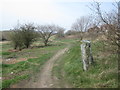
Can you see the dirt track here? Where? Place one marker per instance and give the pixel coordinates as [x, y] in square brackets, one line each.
[45, 79]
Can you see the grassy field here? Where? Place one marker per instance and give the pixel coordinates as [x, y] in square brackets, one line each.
[33, 58]
[102, 74]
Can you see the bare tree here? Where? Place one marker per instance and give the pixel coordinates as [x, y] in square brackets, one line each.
[46, 31]
[111, 20]
[83, 24]
[60, 32]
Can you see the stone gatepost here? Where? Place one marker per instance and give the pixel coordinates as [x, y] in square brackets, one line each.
[86, 52]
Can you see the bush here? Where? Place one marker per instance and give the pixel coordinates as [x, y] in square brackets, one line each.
[16, 38]
[28, 34]
[23, 36]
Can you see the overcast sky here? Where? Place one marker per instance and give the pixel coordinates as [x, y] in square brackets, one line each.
[60, 12]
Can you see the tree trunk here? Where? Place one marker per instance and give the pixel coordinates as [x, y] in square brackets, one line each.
[15, 47]
[45, 43]
[27, 45]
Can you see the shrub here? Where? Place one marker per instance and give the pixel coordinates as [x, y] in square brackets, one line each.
[23, 36]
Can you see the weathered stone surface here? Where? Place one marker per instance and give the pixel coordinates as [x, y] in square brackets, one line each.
[86, 52]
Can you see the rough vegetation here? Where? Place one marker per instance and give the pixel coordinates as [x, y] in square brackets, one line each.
[102, 74]
[14, 71]
[30, 47]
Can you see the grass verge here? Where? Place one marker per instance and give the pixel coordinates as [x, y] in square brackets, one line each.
[103, 74]
[22, 70]
[13, 73]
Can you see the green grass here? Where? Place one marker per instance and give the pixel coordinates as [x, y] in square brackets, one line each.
[103, 74]
[36, 51]
[6, 46]
[7, 83]
[66, 40]
[6, 53]
[30, 67]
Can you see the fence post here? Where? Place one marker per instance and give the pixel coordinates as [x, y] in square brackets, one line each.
[86, 52]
